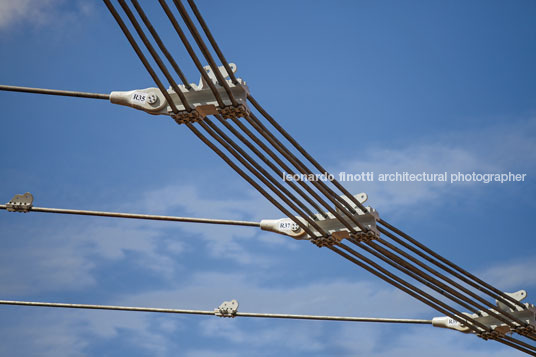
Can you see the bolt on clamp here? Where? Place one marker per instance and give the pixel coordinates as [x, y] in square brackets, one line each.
[20, 203]
[227, 309]
[498, 328]
[198, 96]
[335, 229]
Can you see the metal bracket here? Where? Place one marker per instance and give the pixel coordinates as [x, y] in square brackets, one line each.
[227, 309]
[499, 328]
[199, 97]
[336, 230]
[20, 203]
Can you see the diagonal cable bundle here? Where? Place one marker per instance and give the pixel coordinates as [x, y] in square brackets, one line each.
[261, 151]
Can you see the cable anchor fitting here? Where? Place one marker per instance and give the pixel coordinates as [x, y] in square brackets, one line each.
[498, 328]
[20, 203]
[199, 98]
[227, 309]
[335, 229]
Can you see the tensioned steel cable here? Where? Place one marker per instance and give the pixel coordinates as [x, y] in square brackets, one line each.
[495, 292]
[448, 280]
[279, 162]
[140, 54]
[315, 163]
[232, 148]
[391, 279]
[212, 41]
[191, 51]
[161, 45]
[204, 50]
[248, 179]
[287, 136]
[141, 216]
[233, 78]
[153, 53]
[269, 163]
[213, 313]
[429, 281]
[261, 129]
[305, 210]
[337, 198]
[65, 93]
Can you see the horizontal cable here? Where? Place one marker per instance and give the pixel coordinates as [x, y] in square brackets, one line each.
[208, 312]
[65, 93]
[142, 216]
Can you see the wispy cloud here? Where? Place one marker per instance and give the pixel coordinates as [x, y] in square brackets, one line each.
[41, 12]
[512, 274]
[498, 149]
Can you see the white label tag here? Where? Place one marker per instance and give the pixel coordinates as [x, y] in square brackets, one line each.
[139, 97]
[452, 322]
[288, 226]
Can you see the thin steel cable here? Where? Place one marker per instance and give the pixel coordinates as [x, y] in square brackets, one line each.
[516, 346]
[204, 50]
[209, 312]
[140, 54]
[153, 53]
[315, 163]
[440, 287]
[284, 166]
[270, 164]
[443, 267]
[161, 45]
[389, 279]
[151, 217]
[212, 41]
[400, 265]
[65, 93]
[518, 342]
[261, 129]
[272, 179]
[419, 291]
[448, 280]
[234, 150]
[247, 178]
[191, 52]
[501, 296]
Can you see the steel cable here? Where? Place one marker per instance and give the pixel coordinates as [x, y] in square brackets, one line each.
[140, 54]
[243, 158]
[247, 178]
[153, 53]
[204, 50]
[191, 52]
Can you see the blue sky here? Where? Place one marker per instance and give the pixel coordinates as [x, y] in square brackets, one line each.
[410, 86]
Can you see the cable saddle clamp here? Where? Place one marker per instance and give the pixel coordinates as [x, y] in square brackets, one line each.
[526, 315]
[336, 230]
[227, 309]
[20, 203]
[199, 97]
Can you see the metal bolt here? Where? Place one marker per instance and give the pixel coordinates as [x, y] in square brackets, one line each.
[152, 98]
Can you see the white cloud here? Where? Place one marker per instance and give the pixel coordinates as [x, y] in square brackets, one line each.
[511, 274]
[498, 149]
[41, 12]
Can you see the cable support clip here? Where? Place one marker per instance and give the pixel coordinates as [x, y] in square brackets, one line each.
[227, 309]
[20, 203]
